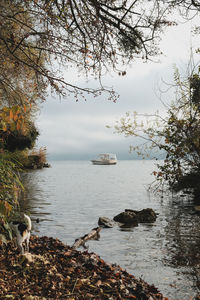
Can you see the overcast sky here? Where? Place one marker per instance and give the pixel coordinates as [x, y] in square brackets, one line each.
[77, 130]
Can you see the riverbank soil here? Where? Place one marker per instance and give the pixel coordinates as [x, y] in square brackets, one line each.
[53, 270]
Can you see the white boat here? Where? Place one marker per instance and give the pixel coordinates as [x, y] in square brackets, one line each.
[105, 159]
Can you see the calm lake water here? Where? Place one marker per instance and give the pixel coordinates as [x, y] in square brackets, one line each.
[69, 197]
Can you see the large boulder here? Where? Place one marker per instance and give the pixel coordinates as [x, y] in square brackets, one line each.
[127, 217]
[146, 215]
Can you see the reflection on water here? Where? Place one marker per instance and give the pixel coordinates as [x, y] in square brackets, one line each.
[183, 241]
[35, 199]
[69, 198]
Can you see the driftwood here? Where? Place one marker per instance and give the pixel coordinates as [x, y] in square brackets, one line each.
[92, 235]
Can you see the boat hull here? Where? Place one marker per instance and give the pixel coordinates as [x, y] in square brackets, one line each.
[98, 162]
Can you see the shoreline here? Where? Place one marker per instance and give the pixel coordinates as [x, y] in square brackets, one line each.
[53, 270]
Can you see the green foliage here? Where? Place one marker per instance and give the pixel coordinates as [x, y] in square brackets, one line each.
[10, 186]
[177, 134]
[9, 182]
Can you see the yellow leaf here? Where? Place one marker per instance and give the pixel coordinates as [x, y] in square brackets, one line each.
[18, 125]
[4, 128]
[15, 117]
[12, 127]
[7, 206]
[11, 114]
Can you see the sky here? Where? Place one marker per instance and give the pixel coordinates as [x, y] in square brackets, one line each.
[77, 130]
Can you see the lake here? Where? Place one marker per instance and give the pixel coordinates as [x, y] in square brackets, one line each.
[69, 197]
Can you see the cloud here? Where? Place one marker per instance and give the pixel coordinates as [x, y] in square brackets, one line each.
[72, 130]
[77, 130]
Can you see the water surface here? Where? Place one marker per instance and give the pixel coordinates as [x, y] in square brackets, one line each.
[69, 198]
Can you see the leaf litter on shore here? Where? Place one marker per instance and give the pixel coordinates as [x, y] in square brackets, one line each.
[53, 270]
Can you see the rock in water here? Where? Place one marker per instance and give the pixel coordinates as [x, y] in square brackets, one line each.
[127, 217]
[105, 222]
[146, 215]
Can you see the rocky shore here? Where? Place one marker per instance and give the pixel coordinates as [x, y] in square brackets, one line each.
[53, 270]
